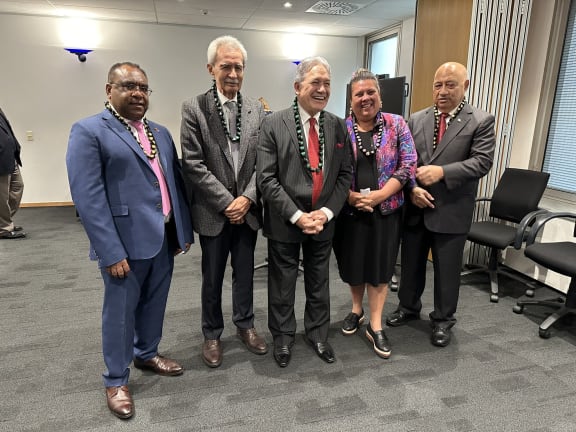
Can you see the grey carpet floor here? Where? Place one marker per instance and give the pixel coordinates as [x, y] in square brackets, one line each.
[497, 375]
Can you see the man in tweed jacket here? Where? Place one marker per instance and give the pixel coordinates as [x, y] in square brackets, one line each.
[219, 134]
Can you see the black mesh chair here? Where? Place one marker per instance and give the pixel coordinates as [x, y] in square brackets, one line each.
[556, 256]
[514, 200]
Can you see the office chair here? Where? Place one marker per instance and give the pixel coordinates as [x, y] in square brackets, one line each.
[515, 200]
[556, 256]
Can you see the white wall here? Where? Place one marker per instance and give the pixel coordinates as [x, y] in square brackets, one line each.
[45, 89]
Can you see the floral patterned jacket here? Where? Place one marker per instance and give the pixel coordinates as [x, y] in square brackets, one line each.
[395, 156]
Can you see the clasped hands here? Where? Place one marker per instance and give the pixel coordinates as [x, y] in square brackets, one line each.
[313, 222]
[237, 209]
[362, 202]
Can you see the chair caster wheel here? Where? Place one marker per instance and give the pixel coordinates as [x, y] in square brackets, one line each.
[529, 293]
[544, 334]
[518, 309]
[494, 298]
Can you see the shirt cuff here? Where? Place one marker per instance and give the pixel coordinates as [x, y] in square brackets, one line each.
[296, 216]
[329, 214]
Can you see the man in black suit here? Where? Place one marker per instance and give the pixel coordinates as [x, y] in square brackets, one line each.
[219, 134]
[304, 173]
[455, 144]
[11, 184]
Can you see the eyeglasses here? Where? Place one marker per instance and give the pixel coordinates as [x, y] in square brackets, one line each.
[132, 87]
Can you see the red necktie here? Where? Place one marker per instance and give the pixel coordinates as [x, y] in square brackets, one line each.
[441, 127]
[314, 158]
[166, 207]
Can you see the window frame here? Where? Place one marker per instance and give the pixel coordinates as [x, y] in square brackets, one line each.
[389, 32]
[542, 127]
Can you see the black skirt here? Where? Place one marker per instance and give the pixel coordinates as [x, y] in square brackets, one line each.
[366, 246]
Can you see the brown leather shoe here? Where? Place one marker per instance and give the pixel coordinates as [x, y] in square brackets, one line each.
[120, 402]
[160, 365]
[212, 352]
[255, 344]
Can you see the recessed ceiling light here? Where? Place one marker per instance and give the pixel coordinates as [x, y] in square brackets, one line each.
[287, 5]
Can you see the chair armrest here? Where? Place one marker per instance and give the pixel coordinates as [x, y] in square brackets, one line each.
[540, 222]
[525, 226]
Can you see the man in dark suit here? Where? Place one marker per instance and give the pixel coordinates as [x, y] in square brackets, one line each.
[127, 187]
[304, 173]
[455, 144]
[219, 134]
[11, 184]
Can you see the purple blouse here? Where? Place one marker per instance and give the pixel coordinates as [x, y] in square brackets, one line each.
[395, 156]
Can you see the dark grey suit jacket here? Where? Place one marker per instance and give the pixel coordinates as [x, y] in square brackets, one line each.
[286, 183]
[465, 153]
[9, 147]
[207, 163]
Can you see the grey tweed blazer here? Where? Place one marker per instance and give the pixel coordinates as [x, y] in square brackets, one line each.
[207, 164]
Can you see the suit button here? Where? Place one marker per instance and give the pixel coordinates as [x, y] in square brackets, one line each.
[159, 205]
[156, 184]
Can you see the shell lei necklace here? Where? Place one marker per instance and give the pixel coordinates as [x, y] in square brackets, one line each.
[153, 148]
[221, 114]
[303, 148]
[377, 139]
[437, 120]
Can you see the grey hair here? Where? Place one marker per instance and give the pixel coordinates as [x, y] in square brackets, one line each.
[306, 66]
[228, 41]
[363, 75]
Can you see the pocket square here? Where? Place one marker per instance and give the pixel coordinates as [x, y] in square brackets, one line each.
[339, 145]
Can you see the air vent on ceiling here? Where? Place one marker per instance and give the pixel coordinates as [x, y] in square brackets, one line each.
[334, 8]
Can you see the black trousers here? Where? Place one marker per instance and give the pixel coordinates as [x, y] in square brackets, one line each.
[239, 242]
[283, 260]
[447, 252]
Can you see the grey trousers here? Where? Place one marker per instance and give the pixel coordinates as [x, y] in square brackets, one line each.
[11, 190]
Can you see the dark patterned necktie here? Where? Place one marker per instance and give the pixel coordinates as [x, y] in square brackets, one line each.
[314, 158]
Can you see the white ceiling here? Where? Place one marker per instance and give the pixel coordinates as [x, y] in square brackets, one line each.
[268, 15]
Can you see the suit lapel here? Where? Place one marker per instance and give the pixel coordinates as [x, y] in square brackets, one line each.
[429, 133]
[290, 124]
[244, 137]
[329, 143]
[216, 125]
[454, 128]
[124, 134]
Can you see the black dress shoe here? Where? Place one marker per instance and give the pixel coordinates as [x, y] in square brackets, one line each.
[12, 235]
[380, 342]
[441, 336]
[18, 228]
[399, 317]
[352, 322]
[282, 355]
[322, 350]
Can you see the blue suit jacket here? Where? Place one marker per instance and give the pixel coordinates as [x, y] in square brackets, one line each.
[116, 192]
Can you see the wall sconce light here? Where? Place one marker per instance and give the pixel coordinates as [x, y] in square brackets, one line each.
[81, 53]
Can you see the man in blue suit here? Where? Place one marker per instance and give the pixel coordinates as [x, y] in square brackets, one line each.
[128, 190]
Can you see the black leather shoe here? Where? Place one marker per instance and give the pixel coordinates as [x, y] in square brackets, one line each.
[399, 317]
[282, 355]
[322, 350]
[352, 322]
[18, 228]
[12, 235]
[379, 341]
[441, 336]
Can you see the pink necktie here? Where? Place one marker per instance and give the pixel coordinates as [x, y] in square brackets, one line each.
[314, 158]
[166, 207]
